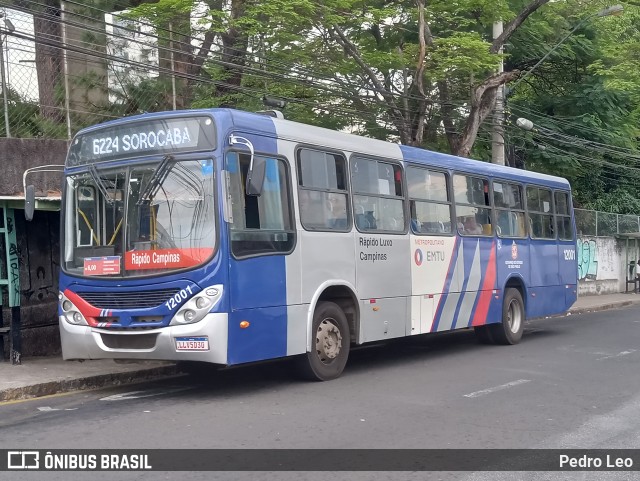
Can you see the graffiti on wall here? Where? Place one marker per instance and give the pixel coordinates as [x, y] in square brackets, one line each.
[587, 259]
[14, 267]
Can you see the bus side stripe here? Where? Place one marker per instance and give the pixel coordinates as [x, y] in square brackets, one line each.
[445, 315]
[488, 285]
[470, 290]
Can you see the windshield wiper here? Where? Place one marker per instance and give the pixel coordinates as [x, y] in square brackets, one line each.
[98, 181]
[156, 180]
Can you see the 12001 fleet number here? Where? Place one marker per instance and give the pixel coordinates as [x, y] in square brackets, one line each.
[177, 299]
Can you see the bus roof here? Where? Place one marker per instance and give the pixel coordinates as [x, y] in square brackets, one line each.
[310, 134]
[305, 133]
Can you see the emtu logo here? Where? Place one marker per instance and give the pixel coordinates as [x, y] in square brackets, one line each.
[23, 460]
[418, 257]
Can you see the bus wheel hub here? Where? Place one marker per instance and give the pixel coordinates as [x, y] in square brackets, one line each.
[328, 340]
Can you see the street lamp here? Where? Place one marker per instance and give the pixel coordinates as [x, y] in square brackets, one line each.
[613, 10]
[9, 28]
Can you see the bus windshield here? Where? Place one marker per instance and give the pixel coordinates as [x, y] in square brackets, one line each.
[139, 220]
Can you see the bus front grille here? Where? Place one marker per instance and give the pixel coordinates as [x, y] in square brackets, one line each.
[138, 341]
[128, 300]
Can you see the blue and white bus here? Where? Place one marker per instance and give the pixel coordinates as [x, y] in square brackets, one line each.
[231, 237]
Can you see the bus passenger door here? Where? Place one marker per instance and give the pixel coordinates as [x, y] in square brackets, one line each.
[261, 236]
[382, 273]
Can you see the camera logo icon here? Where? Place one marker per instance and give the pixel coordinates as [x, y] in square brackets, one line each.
[23, 460]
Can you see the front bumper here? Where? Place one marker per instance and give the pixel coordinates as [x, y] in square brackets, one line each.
[85, 342]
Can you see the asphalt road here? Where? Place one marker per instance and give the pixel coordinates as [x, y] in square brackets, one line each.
[571, 383]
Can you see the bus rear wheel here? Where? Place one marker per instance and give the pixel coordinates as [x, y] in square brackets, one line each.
[510, 330]
[330, 344]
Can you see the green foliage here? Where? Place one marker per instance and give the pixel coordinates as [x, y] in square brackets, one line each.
[584, 102]
[353, 65]
[462, 55]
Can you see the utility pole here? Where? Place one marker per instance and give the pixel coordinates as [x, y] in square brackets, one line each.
[497, 133]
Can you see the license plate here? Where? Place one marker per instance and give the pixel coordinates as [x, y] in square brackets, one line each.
[192, 343]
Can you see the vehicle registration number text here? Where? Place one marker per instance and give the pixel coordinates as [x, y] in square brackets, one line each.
[192, 343]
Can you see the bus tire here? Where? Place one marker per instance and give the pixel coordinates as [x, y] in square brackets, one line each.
[329, 344]
[483, 334]
[510, 330]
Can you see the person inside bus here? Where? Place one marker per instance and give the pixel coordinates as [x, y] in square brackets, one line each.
[337, 214]
[470, 226]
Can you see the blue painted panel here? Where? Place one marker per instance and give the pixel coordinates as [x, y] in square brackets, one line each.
[543, 255]
[513, 260]
[568, 262]
[265, 338]
[568, 267]
[547, 301]
[258, 282]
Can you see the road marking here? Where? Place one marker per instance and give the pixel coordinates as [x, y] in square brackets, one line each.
[49, 408]
[497, 388]
[620, 354]
[142, 394]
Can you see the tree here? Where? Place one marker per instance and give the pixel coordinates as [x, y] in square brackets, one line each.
[584, 102]
[404, 59]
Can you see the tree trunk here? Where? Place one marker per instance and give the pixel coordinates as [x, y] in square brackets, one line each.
[175, 56]
[46, 26]
[234, 54]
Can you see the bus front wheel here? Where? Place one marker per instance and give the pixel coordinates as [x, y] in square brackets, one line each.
[329, 344]
[510, 330]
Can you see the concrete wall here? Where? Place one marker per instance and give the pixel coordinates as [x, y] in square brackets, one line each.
[17, 155]
[603, 264]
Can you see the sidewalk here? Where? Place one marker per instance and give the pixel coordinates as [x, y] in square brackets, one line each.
[44, 376]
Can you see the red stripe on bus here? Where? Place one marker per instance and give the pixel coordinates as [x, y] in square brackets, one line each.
[480, 316]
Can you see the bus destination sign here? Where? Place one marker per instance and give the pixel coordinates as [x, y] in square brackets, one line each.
[159, 136]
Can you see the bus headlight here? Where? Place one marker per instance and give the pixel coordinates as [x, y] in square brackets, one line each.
[202, 302]
[198, 306]
[70, 312]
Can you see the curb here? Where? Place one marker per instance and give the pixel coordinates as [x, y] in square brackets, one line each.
[603, 307]
[86, 383]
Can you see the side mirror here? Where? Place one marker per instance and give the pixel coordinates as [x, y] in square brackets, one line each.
[257, 167]
[29, 202]
[255, 176]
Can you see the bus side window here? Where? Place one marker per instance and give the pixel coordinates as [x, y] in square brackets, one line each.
[261, 224]
[378, 199]
[540, 211]
[473, 208]
[429, 201]
[322, 191]
[563, 216]
[509, 208]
